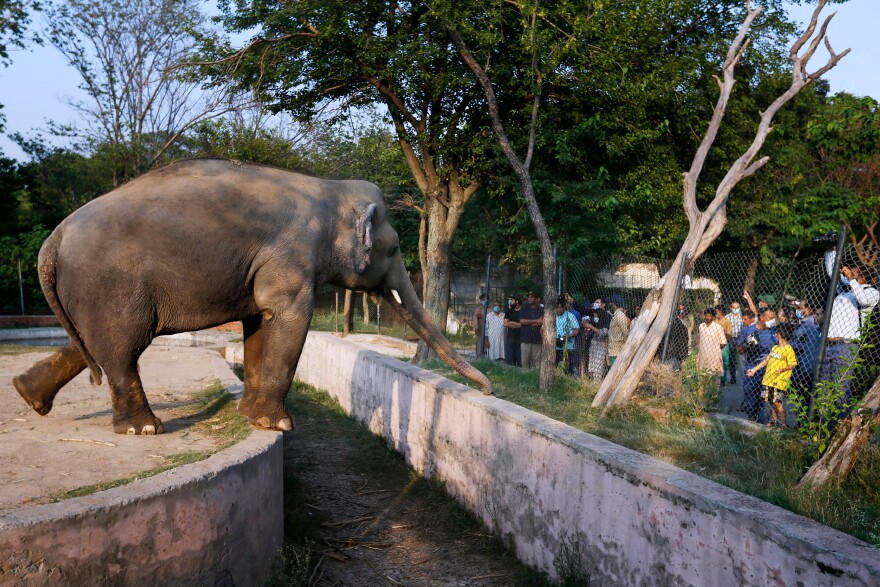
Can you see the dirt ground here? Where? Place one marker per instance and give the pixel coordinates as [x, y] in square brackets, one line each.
[368, 519]
[74, 445]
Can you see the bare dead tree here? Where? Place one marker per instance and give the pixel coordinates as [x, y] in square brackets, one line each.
[706, 225]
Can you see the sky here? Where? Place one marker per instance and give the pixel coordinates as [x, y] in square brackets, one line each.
[33, 89]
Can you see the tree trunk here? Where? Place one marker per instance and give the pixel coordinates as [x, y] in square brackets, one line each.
[347, 314]
[521, 168]
[853, 433]
[366, 308]
[444, 213]
[751, 275]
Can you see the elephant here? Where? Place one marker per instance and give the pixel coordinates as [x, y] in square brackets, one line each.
[203, 242]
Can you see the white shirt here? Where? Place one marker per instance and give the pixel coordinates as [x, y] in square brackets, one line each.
[736, 324]
[850, 310]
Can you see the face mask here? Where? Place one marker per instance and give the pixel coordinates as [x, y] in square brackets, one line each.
[496, 308]
[596, 319]
[770, 323]
[844, 280]
[595, 306]
[799, 314]
[735, 310]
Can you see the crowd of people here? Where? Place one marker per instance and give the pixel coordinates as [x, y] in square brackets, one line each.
[775, 348]
[767, 347]
[588, 337]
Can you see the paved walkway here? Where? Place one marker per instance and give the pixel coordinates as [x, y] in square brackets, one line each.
[74, 445]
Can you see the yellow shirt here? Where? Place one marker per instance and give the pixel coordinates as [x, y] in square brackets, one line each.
[780, 356]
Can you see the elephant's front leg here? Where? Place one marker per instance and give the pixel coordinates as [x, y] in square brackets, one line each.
[253, 361]
[282, 335]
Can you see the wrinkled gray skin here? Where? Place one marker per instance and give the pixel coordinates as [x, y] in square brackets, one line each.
[201, 243]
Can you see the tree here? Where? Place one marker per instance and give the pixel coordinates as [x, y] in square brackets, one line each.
[125, 52]
[314, 55]
[15, 16]
[544, 61]
[706, 225]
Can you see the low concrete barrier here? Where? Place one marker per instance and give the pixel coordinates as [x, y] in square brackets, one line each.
[215, 522]
[558, 493]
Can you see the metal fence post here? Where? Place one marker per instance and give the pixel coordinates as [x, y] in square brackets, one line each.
[674, 306]
[486, 305]
[336, 313]
[20, 287]
[829, 304]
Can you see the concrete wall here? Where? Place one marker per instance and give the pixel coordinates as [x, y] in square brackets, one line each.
[555, 491]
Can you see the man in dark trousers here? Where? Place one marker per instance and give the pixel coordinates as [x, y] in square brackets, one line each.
[531, 318]
[511, 338]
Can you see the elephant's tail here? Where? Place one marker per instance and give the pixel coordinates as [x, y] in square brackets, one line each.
[48, 267]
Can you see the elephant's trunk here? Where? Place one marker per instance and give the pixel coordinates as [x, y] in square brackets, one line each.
[410, 308]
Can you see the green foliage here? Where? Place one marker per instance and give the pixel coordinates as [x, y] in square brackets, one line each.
[15, 16]
[700, 391]
[818, 429]
[24, 249]
[292, 566]
[819, 410]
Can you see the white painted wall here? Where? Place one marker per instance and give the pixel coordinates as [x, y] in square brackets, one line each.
[541, 484]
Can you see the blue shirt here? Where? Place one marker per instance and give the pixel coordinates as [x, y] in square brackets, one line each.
[757, 343]
[565, 325]
[805, 342]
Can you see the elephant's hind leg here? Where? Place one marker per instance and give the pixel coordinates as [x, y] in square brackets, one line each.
[39, 384]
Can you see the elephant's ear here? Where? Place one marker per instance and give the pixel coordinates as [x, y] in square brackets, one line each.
[365, 237]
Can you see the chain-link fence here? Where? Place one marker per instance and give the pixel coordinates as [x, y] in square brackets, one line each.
[776, 332]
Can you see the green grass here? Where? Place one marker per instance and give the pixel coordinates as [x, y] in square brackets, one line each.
[213, 414]
[767, 465]
[326, 322]
[21, 349]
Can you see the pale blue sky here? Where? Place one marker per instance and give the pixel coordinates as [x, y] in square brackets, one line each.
[33, 87]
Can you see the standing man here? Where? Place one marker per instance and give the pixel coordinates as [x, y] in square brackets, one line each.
[856, 298]
[618, 330]
[531, 319]
[477, 323]
[512, 326]
[576, 359]
[805, 343]
[736, 324]
[566, 331]
[711, 341]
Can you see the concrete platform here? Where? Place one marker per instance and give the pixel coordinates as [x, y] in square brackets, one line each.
[217, 521]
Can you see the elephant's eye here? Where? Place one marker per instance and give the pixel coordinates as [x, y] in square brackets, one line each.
[393, 250]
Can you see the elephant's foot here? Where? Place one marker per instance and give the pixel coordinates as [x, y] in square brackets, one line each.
[266, 417]
[145, 424]
[40, 399]
[39, 385]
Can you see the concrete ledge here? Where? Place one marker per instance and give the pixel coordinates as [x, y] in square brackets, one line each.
[547, 486]
[25, 334]
[215, 522]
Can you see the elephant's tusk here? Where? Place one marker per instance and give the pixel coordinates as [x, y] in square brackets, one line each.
[396, 296]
